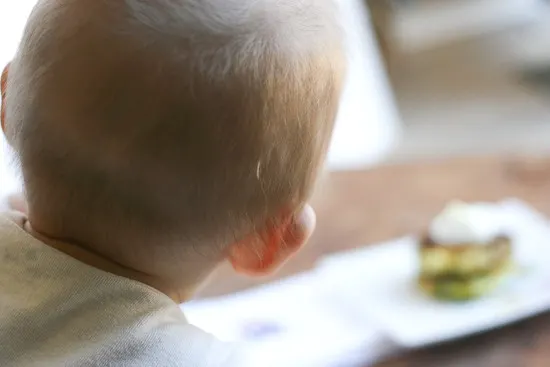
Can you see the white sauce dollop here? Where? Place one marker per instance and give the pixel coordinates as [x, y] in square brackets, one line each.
[461, 223]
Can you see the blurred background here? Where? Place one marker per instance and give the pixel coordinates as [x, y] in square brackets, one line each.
[469, 76]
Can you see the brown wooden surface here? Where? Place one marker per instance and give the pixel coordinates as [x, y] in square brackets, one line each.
[356, 208]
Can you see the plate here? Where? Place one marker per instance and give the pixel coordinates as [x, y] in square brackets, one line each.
[376, 286]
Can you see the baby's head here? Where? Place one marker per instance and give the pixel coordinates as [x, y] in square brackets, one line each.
[158, 133]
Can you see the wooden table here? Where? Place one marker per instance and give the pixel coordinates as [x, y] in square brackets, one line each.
[365, 207]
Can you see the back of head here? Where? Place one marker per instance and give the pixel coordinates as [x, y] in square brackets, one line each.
[172, 120]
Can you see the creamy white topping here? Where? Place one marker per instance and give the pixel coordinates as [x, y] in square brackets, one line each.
[461, 223]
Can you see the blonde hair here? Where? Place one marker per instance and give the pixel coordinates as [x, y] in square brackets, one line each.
[185, 120]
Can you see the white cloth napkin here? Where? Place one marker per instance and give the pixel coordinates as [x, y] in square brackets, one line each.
[288, 324]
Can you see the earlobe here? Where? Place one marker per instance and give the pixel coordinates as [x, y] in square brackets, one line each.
[3, 88]
[258, 254]
[262, 254]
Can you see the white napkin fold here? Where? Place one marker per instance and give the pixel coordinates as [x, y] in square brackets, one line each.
[287, 324]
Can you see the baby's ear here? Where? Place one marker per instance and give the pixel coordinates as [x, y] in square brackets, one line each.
[263, 253]
[4, 88]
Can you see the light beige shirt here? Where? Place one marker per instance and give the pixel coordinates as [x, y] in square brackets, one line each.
[57, 311]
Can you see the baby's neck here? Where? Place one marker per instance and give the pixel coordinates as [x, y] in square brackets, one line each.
[179, 292]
